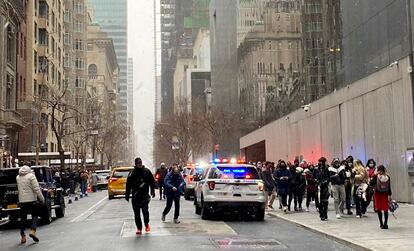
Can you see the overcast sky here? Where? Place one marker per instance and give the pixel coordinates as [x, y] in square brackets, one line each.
[141, 49]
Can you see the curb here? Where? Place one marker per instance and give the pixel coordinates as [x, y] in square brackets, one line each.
[317, 231]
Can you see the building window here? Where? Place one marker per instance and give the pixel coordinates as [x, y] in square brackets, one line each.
[78, 26]
[9, 92]
[92, 70]
[10, 46]
[79, 82]
[67, 38]
[43, 9]
[67, 16]
[67, 62]
[79, 63]
[79, 45]
[43, 37]
[79, 8]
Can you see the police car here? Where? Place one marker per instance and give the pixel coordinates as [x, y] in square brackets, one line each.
[230, 186]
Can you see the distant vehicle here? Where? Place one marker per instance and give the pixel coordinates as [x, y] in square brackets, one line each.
[117, 181]
[189, 173]
[102, 176]
[9, 195]
[229, 187]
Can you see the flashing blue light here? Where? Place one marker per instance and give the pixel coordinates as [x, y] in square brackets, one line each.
[216, 160]
[227, 170]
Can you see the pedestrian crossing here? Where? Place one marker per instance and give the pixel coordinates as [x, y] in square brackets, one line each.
[186, 227]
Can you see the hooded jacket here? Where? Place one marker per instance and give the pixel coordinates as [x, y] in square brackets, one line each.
[337, 174]
[29, 189]
[174, 180]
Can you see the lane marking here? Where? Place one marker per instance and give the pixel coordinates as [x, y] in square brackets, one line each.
[90, 210]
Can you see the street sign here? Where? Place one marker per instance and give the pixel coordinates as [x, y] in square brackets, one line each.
[94, 132]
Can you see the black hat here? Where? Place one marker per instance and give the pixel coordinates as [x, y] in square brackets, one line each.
[138, 160]
[322, 159]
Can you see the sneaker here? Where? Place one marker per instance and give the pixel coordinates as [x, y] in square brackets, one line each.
[385, 226]
[176, 221]
[33, 236]
[358, 216]
[349, 212]
[323, 219]
[285, 209]
[338, 216]
[147, 228]
[363, 215]
[23, 239]
[307, 209]
[163, 218]
[138, 232]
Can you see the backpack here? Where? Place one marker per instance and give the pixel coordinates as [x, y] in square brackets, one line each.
[383, 187]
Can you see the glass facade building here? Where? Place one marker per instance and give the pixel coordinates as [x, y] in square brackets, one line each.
[112, 16]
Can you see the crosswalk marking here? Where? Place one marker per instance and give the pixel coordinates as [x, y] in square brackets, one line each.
[186, 227]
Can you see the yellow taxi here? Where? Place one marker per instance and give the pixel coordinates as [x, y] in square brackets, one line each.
[117, 181]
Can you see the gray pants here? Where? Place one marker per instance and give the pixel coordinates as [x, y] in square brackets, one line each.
[339, 195]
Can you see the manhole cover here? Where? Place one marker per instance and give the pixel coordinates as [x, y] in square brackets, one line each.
[248, 243]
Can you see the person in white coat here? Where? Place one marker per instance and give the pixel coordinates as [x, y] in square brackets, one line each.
[29, 194]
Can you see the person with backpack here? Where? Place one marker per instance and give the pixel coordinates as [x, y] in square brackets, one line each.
[139, 183]
[382, 194]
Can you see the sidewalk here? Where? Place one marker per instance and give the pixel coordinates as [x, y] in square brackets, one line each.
[361, 234]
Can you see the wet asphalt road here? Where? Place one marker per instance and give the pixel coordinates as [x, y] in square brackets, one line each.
[95, 223]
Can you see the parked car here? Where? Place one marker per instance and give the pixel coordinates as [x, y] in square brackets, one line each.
[188, 174]
[9, 195]
[102, 177]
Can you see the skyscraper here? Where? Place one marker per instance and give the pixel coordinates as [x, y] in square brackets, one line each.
[112, 16]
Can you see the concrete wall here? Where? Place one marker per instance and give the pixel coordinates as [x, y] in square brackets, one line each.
[371, 118]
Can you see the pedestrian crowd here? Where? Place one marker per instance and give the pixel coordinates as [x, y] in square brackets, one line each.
[349, 182]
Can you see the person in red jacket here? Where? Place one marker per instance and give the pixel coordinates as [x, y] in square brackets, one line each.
[382, 194]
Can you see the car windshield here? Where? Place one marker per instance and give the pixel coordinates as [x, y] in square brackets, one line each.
[120, 174]
[8, 176]
[231, 172]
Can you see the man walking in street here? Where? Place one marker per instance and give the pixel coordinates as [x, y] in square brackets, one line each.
[139, 183]
[174, 188]
[160, 174]
[29, 194]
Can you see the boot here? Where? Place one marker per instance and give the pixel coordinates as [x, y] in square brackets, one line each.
[33, 235]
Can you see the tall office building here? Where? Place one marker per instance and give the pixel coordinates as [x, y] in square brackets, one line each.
[112, 16]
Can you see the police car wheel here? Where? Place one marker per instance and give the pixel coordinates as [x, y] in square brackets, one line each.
[260, 214]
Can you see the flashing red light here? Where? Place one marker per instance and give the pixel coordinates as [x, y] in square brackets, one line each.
[248, 176]
[211, 185]
[226, 176]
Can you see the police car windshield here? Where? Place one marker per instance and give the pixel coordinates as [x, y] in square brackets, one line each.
[232, 172]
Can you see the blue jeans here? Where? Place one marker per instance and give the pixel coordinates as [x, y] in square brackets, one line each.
[83, 187]
[26, 208]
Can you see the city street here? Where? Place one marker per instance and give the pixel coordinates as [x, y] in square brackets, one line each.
[95, 223]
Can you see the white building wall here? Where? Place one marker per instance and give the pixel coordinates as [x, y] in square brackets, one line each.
[371, 118]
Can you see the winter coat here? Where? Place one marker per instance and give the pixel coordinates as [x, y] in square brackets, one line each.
[162, 172]
[311, 182]
[139, 183]
[29, 189]
[323, 177]
[300, 181]
[268, 180]
[360, 176]
[174, 180]
[337, 175]
[283, 185]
